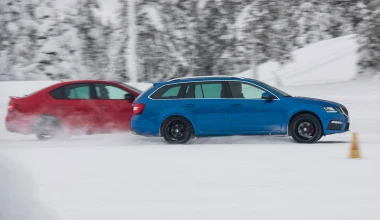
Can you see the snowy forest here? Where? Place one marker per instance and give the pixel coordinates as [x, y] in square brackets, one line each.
[151, 40]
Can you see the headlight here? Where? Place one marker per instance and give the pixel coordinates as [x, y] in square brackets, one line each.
[330, 109]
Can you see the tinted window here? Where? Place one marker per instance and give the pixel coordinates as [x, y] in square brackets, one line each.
[167, 92]
[57, 93]
[107, 91]
[204, 90]
[245, 90]
[77, 91]
[74, 91]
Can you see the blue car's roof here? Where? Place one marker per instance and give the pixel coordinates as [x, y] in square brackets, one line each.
[199, 78]
[222, 77]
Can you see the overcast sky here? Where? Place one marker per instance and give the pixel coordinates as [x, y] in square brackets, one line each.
[108, 7]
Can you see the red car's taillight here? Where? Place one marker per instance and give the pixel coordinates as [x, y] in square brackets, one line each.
[12, 107]
[138, 108]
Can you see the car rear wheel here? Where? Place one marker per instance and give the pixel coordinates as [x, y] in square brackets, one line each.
[305, 128]
[177, 130]
[47, 127]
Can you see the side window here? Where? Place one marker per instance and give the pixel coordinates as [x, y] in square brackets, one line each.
[167, 92]
[209, 90]
[245, 90]
[107, 91]
[77, 91]
[73, 91]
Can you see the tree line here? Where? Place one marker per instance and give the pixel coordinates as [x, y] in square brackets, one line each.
[152, 40]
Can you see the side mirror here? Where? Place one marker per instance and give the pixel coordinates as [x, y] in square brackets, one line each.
[129, 97]
[267, 96]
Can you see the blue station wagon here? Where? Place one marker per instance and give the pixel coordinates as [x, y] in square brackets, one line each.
[183, 108]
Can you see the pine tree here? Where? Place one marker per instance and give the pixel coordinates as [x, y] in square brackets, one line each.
[90, 33]
[270, 32]
[47, 62]
[215, 37]
[70, 45]
[158, 46]
[119, 52]
[178, 23]
[4, 41]
[369, 42]
[319, 20]
[18, 38]
[107, 49]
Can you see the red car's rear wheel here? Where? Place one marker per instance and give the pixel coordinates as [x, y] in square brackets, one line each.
[47, 127]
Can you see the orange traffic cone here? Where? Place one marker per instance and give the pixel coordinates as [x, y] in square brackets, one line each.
[354, 147]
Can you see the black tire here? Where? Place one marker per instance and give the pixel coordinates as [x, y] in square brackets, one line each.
[47, 127]
[305, 128]
[177, 130]
[320, 136]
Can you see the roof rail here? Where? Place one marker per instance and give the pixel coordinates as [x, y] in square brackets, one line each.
[193, 77]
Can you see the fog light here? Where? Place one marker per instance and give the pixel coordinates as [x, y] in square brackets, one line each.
[336, 122]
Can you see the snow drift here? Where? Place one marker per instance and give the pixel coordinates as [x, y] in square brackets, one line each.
[331, 60]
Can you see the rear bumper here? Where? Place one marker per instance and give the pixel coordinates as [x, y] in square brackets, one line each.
[143, 131]
[18, 123]
[142, 126]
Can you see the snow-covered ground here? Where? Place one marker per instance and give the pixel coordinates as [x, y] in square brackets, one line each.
[122, 176]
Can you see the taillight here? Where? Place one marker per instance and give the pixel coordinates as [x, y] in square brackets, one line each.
[138, 108]
[12, 107]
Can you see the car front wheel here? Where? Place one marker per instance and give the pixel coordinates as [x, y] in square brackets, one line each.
[177, 130]
[305, 128]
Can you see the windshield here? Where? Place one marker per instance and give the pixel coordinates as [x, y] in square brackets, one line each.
[131, 87]
[273, 88]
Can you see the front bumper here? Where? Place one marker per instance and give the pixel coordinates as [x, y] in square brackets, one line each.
[336, 123]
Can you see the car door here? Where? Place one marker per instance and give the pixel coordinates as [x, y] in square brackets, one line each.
[207, 105]
[252, 114]
[114, 111]
[74, 106]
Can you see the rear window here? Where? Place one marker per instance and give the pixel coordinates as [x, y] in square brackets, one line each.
[167, 92]
[57, 93]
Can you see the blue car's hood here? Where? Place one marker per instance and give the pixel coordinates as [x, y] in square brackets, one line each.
[317, 101]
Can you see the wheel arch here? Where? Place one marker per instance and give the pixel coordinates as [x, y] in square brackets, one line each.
[301, 113]
[45, 114]
[171, 116]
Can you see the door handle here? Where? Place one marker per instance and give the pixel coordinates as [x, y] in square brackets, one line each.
[189, 105]
[237, 105]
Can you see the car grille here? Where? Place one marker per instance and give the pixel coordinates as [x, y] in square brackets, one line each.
[333, 126]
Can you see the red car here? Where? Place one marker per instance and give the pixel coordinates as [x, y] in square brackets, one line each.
[73, 107]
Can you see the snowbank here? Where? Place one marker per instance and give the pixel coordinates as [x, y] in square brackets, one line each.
[18, 197]
[331, 60]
